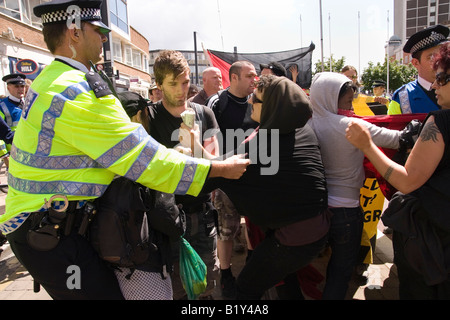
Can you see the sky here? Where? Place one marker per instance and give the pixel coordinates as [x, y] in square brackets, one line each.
[260, 26]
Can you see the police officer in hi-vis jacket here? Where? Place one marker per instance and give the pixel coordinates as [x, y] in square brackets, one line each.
[73, 139]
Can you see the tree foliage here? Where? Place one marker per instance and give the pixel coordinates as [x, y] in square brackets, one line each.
[336, 64]
[399, 74]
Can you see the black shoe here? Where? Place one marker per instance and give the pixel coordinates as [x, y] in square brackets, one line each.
[228, 286]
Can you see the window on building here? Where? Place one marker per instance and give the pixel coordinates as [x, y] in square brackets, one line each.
[22, 10]
[410, 4]
[128, 55]
[10, 8]
[145, 63]
[118, 14]
[137, 59]
[117, 50]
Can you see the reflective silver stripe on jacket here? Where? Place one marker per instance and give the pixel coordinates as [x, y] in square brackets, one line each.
[8, 117]
[54, 111]
[144, 159]
[57, 187]
[74, 162]
[54, 162]
[404, 101]
[188, 176]
[122, 148]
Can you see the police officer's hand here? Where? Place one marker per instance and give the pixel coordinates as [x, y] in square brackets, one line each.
[381, 100]
[231, 168]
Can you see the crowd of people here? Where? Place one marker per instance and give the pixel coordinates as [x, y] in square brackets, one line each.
[190, 162]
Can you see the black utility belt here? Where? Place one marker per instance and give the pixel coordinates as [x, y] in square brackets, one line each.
[48, 226]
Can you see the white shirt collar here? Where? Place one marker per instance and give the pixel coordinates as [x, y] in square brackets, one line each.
[76, 64]
[424, 83]
[10, 97]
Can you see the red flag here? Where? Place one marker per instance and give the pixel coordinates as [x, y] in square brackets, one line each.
[223, 66]
[394, 122]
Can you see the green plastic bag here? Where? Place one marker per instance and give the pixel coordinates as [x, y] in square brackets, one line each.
[192, 270]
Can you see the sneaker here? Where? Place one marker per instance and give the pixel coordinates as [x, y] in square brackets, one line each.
[228, 286]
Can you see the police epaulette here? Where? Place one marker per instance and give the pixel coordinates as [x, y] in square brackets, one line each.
[97, 84]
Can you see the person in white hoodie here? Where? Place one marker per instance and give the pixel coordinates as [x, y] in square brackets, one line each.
[331, 97]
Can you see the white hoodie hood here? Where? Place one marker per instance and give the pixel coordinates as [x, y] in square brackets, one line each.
[324, 92]
[342, 161]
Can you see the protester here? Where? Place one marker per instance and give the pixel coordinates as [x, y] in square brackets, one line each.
[232, 109]
[331, 97]
[68, 146]
[287, 198]
[172, 77]
[155, 93]
[193, 90]
[351, 73]
[212, 83]
[418, 96]
[418, 213]
[274, 68]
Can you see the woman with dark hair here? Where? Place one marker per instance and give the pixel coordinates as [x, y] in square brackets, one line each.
[419, 212]
[286, 198]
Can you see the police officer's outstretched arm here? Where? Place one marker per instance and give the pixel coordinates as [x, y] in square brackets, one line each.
[231, 168]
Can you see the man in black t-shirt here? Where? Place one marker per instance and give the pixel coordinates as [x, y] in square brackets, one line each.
[232, 110]
[172, 78]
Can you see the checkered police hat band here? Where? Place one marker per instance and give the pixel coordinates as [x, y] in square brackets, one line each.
[63, 15]
[18, 79]
[433, 38]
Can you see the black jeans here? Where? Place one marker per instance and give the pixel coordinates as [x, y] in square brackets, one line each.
[270, 263]
[55, 269]
[345, 240]
[412, 285]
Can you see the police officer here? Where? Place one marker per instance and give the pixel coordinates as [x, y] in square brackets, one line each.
[418, 96]
[11, 106]
[73, 139]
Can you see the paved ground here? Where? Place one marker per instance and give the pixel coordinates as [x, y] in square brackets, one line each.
[17, 284]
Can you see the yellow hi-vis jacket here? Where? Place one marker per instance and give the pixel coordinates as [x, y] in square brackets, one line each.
[72, 143]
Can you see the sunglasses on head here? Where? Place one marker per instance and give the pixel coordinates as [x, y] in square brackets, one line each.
[442, 78]
[255, 99]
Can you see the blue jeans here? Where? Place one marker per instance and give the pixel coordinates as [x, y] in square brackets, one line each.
[345, 241]
[270, 263]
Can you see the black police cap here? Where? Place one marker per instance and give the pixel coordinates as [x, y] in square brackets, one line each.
[59, 11]
[379, 83]
[427, 38]
[14, 78]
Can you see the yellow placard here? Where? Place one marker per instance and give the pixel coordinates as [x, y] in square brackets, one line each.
[372, 202]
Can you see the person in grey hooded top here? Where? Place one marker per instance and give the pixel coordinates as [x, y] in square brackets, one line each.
[331, 97]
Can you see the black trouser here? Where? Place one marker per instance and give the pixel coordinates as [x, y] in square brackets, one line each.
[57, 270]
[412, 285]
